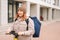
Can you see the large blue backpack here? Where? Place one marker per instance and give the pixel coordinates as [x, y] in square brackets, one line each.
[37, 26]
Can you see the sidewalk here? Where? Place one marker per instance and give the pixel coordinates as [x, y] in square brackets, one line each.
[50, 31]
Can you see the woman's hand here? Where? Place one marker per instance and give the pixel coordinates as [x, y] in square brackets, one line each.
[20, 33]
[7, 33]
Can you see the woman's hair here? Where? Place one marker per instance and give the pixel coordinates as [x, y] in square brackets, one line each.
[24, 13]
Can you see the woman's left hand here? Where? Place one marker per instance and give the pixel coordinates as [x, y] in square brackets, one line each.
[20, 33]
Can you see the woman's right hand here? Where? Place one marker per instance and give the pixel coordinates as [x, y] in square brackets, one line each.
[7, 33]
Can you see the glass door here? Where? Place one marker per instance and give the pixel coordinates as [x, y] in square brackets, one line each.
[10, 10]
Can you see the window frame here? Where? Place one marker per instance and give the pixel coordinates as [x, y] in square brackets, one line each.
[11, 10]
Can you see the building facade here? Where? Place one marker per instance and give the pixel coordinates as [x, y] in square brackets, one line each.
[47, 9]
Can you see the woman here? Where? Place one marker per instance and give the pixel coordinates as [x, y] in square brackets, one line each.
[20, 25]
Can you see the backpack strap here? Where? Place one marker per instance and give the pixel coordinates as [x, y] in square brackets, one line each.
[27, 21]
[15, 19]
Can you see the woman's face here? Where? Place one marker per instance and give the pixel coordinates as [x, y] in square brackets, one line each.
[20, 13]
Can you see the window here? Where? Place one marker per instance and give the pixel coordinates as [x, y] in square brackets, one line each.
[10, 11]
[52, 13]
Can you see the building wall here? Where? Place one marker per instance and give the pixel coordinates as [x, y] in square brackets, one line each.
[4, 12]
[0, 12]
[59, 3]
[57, 14]
[50, 14]
[33, 11]
[45, 3]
